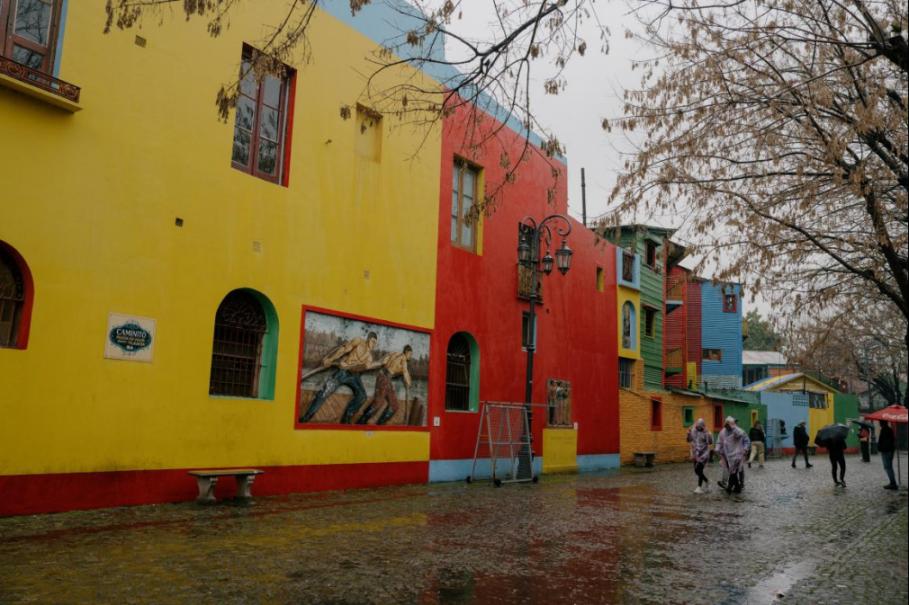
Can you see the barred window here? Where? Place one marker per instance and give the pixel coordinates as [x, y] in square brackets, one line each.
[626, 367]
[457, 374]
[12, 300]
[240, 327]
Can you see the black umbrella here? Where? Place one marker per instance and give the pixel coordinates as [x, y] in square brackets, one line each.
[831, 432]
[864, 423]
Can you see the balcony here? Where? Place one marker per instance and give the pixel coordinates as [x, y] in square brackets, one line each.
[675, 293]
[39, 85]
[675, 361]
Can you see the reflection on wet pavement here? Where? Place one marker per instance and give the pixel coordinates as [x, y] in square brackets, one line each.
[636, 536]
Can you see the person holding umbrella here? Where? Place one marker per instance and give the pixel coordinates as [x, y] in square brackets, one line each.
[886, 445]
[833, 437]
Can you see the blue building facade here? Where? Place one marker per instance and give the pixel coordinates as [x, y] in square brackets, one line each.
[721, 335]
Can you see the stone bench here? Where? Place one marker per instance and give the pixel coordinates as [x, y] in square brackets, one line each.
[207, 479]
[642, 459]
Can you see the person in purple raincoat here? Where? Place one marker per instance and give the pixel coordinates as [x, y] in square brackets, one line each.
[732, 443]
[699, 441]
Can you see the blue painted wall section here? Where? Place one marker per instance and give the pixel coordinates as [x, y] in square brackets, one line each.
[791, 408]
[721, 330]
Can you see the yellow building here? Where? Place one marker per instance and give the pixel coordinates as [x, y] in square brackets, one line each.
[818, 397]
[142, 240]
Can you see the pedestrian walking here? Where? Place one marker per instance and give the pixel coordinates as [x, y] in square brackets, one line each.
[836, 449]
[758, 444]
[886, 444]
[800, 441]
[865, 443]
[732, 443]
[699, 441]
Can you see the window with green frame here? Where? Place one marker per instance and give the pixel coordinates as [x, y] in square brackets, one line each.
[687, 415]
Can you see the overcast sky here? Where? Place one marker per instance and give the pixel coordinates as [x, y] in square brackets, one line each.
[596, 83]
[595, 87]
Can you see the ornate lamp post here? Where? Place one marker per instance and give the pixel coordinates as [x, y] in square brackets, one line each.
[530, 244]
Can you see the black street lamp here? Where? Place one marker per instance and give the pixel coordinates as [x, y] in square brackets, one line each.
[531, 237]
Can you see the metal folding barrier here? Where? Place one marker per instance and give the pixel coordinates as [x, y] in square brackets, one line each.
[504, 438]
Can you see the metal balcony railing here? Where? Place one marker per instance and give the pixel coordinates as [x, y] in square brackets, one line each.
[39, 79]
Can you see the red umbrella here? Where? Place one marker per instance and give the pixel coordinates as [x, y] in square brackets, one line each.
[894, 413]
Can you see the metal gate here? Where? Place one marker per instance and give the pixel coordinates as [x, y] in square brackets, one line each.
[504, 438]
[775, 434]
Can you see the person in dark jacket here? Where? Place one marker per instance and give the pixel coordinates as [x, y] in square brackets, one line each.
[886, 446]
[836, 449]
[800, 441]
[865, 443]
[758, 439]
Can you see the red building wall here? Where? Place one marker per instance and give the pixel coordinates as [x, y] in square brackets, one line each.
[477, 294]
[694, 323]
[675, 327]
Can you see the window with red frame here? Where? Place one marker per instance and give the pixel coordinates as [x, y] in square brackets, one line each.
[28, 32]
[656, 415]
[730, 303]
[717, 417]
[260, 129]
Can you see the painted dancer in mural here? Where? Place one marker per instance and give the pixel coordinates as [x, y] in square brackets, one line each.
[351, 360]
[393, 365]
[732, 443]
[700, 440]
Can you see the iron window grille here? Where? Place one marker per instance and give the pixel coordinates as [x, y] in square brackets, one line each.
[240, 327]
[626, 373]
[457, 374]
[12, 300]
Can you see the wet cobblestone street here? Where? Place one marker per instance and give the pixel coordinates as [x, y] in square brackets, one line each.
[633, 536]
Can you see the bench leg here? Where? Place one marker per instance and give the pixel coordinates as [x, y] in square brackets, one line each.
[206, 489]
[244, 486]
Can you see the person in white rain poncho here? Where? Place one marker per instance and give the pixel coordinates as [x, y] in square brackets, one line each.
[731, 446]
[699, 441]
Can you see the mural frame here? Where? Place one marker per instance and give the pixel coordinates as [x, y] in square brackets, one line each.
[298, 426]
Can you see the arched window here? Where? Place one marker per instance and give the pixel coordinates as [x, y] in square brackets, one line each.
[244, 347]
[462, 373]
[15, 298]
[628, 335]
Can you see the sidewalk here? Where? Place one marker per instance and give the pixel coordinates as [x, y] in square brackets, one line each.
[636, 536]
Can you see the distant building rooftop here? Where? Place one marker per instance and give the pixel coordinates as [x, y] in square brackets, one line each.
[763, 358]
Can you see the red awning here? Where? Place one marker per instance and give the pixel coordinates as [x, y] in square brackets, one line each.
[894, 413]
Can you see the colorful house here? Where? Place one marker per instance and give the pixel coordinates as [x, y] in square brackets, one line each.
[721, 335]
[758, 365]
[482, 323]
[293, 290]
[656, 408]
[807, 392]
[178, 275]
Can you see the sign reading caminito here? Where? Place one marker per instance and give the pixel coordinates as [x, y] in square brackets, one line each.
[129, 337]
